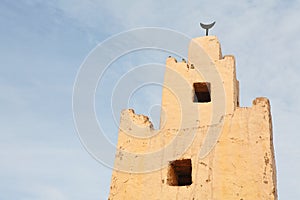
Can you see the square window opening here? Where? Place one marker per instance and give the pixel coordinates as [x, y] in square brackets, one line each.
[180, 173]
[202, 92]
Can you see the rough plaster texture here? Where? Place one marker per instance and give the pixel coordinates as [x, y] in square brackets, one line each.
[230, 147]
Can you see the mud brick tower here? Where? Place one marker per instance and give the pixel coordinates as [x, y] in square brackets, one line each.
[207, 146]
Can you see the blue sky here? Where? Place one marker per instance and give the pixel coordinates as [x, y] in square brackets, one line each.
[43, 44]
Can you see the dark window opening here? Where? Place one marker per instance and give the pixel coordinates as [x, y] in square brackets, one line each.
[180, 172]
[202, 92]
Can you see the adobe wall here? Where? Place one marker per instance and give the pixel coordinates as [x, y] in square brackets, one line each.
[230, 147]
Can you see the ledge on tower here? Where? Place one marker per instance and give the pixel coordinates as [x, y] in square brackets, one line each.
[129, 117]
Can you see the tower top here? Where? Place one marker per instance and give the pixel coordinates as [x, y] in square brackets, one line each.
[208, 44]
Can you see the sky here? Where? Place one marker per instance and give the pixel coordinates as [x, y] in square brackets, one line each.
[44, 43]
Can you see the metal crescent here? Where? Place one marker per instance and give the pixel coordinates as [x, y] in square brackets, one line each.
[207, 26]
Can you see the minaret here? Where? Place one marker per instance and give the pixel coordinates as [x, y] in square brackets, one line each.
[207, 146]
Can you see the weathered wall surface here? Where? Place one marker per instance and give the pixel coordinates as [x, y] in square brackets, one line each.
[240, 165]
